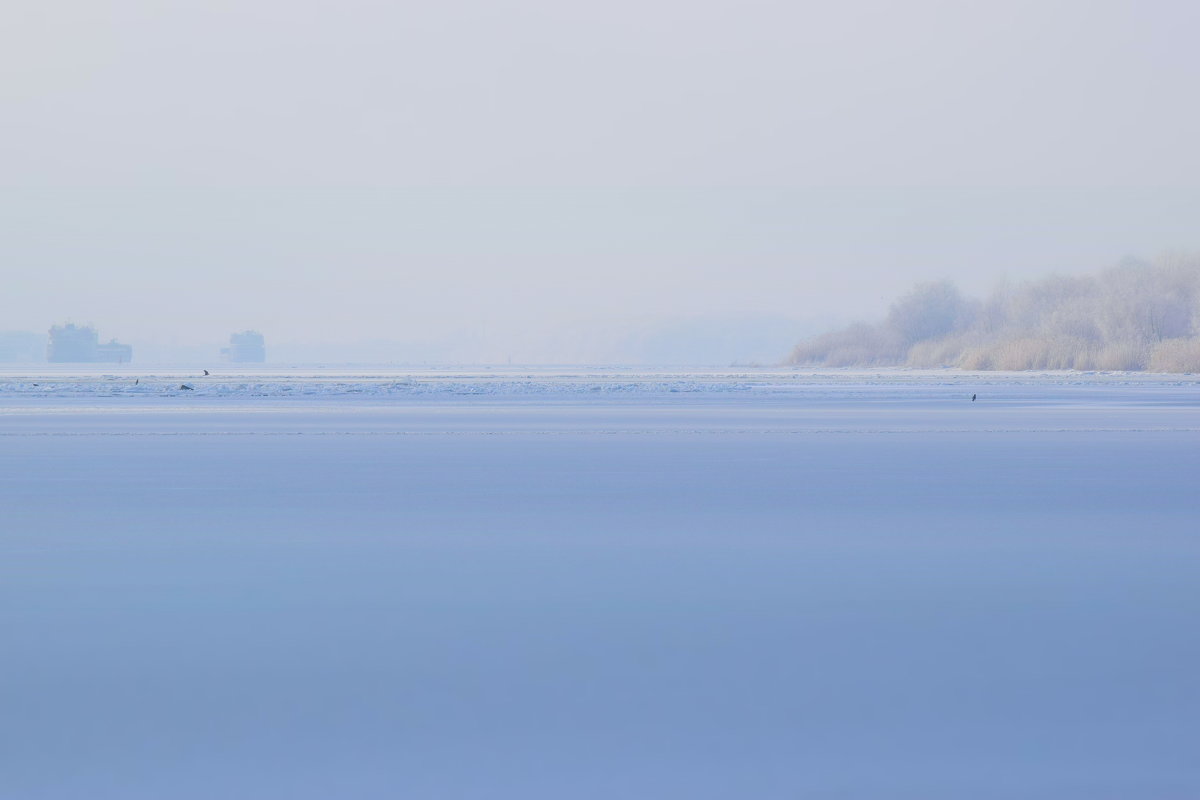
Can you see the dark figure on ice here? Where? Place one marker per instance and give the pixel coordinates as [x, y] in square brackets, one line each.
[206, 372]
[972, 398]
[185, 387]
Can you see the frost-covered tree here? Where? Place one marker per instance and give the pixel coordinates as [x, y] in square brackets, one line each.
[928, 311]
[1133, 316]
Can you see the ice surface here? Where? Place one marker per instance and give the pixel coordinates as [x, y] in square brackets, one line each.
[598, 584]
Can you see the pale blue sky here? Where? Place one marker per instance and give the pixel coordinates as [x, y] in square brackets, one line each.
[518, 172]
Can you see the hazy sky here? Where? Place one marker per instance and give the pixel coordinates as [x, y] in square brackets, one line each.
[541, 179]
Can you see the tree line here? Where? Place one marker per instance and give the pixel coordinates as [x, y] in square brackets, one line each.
[1135, 316]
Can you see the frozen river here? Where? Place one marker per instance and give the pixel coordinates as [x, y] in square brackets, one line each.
[599, 584]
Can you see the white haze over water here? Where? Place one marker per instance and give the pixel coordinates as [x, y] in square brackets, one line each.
[544, 182]
[537, 275]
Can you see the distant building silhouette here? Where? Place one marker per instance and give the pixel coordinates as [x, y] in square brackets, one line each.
[246, 347]
[114, 352]
[80, 344]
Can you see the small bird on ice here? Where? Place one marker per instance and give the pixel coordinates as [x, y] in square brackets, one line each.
[973, 398]
[205, 372]
[185, 387]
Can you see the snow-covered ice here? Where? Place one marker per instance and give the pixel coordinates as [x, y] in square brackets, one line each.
[599, 583]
